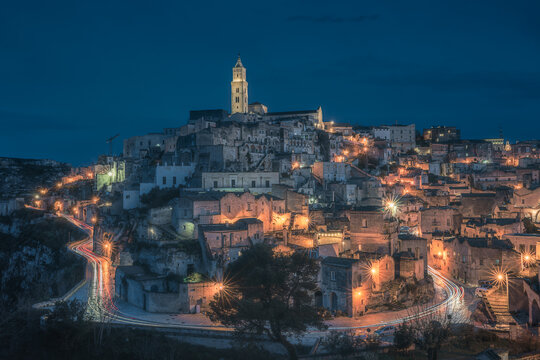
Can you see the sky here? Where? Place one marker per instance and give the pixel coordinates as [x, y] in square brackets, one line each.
[74, 73]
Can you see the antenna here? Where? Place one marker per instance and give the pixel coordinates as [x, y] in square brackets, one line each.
[110, 141]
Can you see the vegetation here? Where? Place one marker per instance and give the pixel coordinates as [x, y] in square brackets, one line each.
[36, 264]
[269, 294]
[159, 197]
[530, 228]
[67, 334]
[343, 343]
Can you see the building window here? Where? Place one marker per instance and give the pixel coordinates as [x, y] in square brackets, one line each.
[497, 262]
[174, 180]
[215, 184]
[333, 275]
[253, 183]
[249, 206]
[233, 183]
[267, 183]
[164, 180]
[364, 223]
[521, 248]
[185, 212]
[228, 208]
[481, 262]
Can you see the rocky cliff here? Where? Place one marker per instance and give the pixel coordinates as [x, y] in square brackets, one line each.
[35, 263]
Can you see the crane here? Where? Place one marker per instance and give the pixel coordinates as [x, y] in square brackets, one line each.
[109, 141]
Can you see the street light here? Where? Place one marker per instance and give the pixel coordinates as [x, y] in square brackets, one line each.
[500, 278]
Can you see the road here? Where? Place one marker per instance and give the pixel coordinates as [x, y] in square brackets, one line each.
[103, 307]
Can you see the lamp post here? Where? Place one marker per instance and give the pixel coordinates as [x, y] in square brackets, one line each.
[504, 277]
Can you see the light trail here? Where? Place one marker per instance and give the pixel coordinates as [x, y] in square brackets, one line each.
[101, 300]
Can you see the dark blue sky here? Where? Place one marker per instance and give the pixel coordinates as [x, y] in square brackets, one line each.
[73, 73]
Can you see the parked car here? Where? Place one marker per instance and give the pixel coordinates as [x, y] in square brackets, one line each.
[385, 331]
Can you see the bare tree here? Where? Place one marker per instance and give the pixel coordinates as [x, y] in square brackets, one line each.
[431, 328]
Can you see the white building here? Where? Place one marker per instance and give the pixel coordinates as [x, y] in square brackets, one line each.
[331, 171]
[401, 137]
[255, 182]
[173, 175]
[131, 198]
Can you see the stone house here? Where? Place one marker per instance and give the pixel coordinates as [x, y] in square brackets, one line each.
[257, 182]
[477, 204]
[415, 248]
[327, 172]
[481, 227]
[472, 260]
[525, 244]
[245, 205]
[162, 294]
[410, 210]
[150, 292]
[526, 198]
[224, 243]
[439, 218]
[347, 284]
[369, 231]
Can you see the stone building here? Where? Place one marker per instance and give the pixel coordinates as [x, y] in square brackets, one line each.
[224, 243]
[239, 89]
[527, 244]
[472, 260]
[327, 172]
[347, 284]
[369, 231]
[439, 218]
[256, 182]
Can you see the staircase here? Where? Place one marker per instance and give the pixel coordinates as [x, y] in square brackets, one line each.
[497, 304]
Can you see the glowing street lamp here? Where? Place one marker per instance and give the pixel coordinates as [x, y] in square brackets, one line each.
[525, 260]
[501, 277]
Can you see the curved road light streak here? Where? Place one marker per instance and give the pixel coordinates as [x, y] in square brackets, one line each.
[100, 294]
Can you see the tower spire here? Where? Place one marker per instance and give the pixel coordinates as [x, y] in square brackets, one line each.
[239, 88]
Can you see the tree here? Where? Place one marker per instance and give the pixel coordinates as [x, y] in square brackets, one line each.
[432, 330]
[342, 343]
[269, 294]
[403, 336]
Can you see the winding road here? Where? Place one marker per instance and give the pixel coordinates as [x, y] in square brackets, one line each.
[103, 308]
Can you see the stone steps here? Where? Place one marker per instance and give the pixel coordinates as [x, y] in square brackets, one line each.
[497, 303]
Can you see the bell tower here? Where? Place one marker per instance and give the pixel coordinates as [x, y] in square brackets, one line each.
[239, 89]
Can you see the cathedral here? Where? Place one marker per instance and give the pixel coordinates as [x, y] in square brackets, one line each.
[242, 111]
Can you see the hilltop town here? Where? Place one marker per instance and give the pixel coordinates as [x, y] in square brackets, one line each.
[396, 217]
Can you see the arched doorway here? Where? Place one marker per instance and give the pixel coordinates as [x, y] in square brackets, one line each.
[333, 301]
[318, 299]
